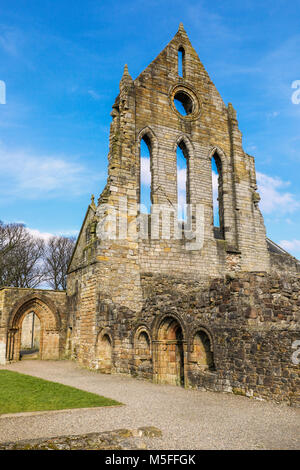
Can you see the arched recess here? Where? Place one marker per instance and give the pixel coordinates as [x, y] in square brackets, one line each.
[170, 352]
[218, 172]
[104, 351]
[202, 351]
[50, 327]
[142, 351]
[142, 342]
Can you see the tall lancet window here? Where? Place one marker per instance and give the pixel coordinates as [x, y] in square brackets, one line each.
[217, 187]
[182, 181]
[181, 62]
[145, 175]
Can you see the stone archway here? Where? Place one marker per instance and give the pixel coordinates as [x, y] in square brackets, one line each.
[170, 352]
[49, 334]
[30, 336]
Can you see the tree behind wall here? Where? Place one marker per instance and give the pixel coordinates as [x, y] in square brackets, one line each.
[57, 257]
[27, 261]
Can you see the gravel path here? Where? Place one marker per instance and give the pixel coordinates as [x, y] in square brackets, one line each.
[189, 419]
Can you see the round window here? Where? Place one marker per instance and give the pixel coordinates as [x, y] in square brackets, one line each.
[183, 103]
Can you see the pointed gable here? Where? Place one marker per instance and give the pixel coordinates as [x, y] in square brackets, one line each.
[163, 70]
[81, 241]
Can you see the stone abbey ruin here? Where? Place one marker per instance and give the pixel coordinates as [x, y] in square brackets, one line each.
[219, 315]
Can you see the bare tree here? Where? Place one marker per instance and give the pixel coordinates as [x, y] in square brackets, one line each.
[11, 235]
[21, 257]
[26, 261]
[56, 261]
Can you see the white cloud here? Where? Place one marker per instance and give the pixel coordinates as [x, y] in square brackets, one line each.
[94, 95]
[273, 196]
[145, 171]
[37, 234]
[290, 245]
[181, 185]
[47, 235]
[215, 186]
[181, 179]
[29, 176]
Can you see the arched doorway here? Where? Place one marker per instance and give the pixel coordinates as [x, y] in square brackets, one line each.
[104, 353]
[30, 336]
[47, 335]
[170, 349]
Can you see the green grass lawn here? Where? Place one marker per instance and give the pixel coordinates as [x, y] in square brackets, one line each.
[19, 392]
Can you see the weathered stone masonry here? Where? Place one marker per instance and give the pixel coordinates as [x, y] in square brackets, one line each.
[221, 317]
[50, 308]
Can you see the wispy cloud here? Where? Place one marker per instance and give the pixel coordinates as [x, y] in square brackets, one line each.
[145, 171]
[27, 175]
[274, 198]
[37, 234]
[290, 245]
[209, 24]
[94, 95]
[281, 64]
[11, 40]
[46, 235]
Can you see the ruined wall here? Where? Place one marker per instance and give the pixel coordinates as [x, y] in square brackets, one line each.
[92, 316]
[283, 264]
[210, 127]
[251, 321]
[209, 317]
[109, 269]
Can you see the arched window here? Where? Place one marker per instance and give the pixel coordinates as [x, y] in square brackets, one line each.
[182, 180]
[181, 62]
[145, 174]
[217, 189]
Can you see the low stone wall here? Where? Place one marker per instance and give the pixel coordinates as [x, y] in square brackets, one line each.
[121, 439]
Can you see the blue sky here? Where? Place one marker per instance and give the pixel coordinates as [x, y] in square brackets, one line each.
[62, 62]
